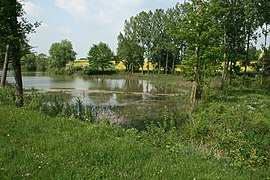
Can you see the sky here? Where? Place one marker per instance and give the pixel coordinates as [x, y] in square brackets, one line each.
[83, 22]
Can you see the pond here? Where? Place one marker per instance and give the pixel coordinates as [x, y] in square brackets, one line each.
[133, 98]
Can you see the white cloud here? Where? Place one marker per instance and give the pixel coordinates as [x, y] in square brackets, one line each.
[72, 6]
[31, 9]
[64, 30]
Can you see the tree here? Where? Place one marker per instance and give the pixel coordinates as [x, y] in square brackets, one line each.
[42, 62]
[200, 33]
[100, 56]
[14, 29]
[263, 7]
[144, 34]
[61, 53]
[251, 24]
[175, 44]
[131, 43]
[158, 36]
[29, 62]
[130, 52]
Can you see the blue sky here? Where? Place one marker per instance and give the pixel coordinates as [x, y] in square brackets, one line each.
[84, 22]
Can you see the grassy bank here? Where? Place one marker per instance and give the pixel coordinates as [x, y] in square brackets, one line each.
[36, 146]
[227, 136]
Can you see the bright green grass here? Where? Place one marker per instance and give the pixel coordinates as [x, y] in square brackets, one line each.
[35, 146]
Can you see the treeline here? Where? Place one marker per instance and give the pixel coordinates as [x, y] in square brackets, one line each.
[203, 37]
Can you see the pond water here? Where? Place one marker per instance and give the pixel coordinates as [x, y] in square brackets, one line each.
[107, 88]
[132, 95]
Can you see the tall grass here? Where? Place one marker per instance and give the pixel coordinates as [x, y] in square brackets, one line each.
[36, 146]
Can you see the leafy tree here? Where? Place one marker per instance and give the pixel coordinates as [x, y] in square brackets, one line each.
[144, 35]
[14, 29]
[175, 44]
[159, 39]
[32, 62]
[29, 62]
[42, 62]
[200, 33]
[100, 56]
[229, 15]
[131, 44]
[130, 52]
[263, 7]
[61, 53]
[251, 24]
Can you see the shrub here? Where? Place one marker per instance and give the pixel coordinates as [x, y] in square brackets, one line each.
[235, 131]
[7, 95]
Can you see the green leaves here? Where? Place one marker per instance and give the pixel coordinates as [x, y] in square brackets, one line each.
[60, 54]
[100, 56]
[130, 52]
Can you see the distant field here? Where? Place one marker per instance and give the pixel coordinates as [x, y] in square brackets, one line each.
[121, 66]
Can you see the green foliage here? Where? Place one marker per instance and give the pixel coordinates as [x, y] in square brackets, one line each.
[100, 56]
[237, 128]
[29, 62]
[58, 104]
[130, 52]
[60, 54]
[32, 62]
[7, 95]
[14, 29]
[41, 62]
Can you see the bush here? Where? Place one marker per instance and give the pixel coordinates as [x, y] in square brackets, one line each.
[8, 95]
[238, 131]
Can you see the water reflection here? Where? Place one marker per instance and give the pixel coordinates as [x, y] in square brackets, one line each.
[45, 81]
[98, 91]
[131, 100]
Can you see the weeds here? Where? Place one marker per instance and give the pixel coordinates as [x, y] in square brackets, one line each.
[239, 130]
[7, 95]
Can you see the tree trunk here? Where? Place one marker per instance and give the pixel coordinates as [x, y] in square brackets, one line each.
[265, 36]
[247, 58]
[167, 59]
[265, 56]
[5, 68]
[173, 64]
[16, 62]
[195, 90]
[231, 65]
[159, 66]
[148, 66]
[225, 64]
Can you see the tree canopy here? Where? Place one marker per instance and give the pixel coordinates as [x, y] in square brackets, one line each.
[100, 56]
[61, 53]
[14, 29]
[202, 37]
